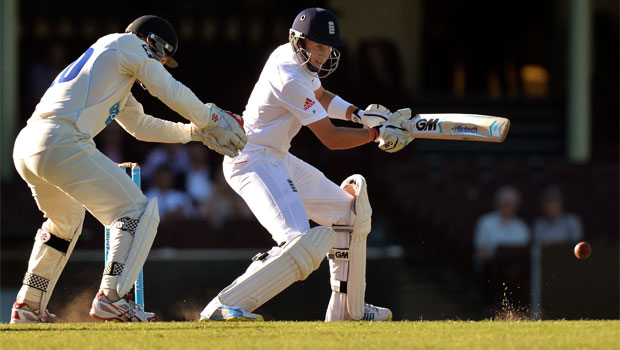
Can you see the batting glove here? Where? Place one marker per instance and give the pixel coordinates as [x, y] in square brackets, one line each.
[391, 135]
[374, 115]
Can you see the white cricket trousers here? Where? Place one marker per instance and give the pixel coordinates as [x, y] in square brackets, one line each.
[284, 192]
[71, 174]
[66, 174]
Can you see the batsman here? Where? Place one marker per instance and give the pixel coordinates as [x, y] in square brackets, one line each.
[284, 192]
[55, 154]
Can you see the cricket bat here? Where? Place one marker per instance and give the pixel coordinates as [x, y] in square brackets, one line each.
[458, 126]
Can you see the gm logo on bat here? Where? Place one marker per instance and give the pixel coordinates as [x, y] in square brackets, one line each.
[342, 255]
[426, 125]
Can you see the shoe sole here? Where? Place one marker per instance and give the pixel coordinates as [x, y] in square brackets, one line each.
[232, 319]
[24, 322]
[14, 321]
[116, 319]
[107, 319]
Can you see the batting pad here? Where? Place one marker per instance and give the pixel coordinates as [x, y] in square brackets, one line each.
[357, 277]
[144, 236]
[273, 272]
[49, 257]
[356, 284]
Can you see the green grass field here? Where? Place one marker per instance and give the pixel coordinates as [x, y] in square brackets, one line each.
[316, 335]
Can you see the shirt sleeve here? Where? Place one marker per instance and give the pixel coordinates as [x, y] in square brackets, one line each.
[134, 60]
[480, 239]
[576, 230]
[316, 83]
[538, 233]
[523, 236]
[301, 102]
[148, 128]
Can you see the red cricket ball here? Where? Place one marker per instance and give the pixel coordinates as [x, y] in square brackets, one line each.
[583, 250]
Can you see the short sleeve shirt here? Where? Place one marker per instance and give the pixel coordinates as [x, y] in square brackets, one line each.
[281, 103]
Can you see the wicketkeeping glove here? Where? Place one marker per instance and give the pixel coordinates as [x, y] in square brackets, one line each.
[227, 137]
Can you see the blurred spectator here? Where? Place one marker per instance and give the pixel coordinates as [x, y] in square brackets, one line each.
[173, 204]
[175, 156]
[42, 73]
[501, 256]
[225, 205]
[500, 228]
[198, 183]
[556, 226]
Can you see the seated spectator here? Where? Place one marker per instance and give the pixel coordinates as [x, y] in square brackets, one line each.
[501, 227]
[198, 183]
[224, 205]
[175, 156]
[555, 226]
[501, 255]
[173, 204]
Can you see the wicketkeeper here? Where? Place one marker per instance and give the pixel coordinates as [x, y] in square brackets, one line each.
[55, 154]
[284, 192]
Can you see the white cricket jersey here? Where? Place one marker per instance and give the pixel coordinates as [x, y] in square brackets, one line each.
[282, 101]
[93, 90]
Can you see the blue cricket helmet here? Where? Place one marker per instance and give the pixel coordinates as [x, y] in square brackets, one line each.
[318, 25]
[321, 26]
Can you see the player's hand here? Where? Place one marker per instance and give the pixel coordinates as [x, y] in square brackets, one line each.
[400, 116]
[392, 137]
[374, 115]
[215, 115]
[227, 137]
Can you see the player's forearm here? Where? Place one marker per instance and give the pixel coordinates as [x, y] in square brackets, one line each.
[331, 102]
[346, 138]
[167, 132]
[150, 129]
[183, 101]
[324, 97]
[174, 94]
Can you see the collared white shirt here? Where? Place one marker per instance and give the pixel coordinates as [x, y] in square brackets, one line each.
[281, 103]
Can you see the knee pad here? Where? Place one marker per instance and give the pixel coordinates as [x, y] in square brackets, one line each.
[362, 211]
[274, 271]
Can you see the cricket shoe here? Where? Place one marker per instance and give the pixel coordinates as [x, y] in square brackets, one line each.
[231, 313]
[22, 314]
[376, 313]
[122, 310]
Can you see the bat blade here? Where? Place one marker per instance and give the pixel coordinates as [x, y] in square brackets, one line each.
[459, 126]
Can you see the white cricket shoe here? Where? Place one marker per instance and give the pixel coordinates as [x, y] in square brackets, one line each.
[20, 313]
[122, 310]
[376, 313]
[231, 313]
